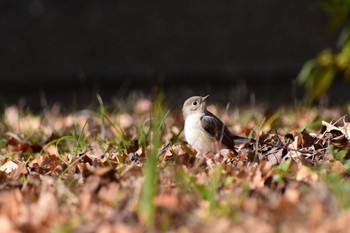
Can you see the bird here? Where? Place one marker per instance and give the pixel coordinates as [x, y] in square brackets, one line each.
[204, 131]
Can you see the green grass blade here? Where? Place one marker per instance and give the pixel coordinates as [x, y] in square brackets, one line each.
[150, 187]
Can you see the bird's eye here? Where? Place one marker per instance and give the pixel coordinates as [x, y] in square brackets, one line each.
[195, 103]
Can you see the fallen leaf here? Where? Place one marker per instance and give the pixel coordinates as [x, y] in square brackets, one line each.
[9, 166]
[338, 168]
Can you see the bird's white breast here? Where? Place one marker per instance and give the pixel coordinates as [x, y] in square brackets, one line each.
[198, 137]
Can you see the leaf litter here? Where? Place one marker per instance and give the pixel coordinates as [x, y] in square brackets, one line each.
[85, 172]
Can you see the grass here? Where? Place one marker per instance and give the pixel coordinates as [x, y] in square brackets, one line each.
[150, 186]
[340, 187]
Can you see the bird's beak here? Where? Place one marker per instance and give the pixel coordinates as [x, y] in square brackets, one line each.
[205, 97]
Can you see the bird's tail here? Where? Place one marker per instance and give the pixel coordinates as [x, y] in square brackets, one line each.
[241, 140]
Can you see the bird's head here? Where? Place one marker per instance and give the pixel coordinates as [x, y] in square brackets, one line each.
[194, 104]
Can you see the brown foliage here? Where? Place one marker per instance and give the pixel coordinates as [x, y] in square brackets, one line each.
[272, 186]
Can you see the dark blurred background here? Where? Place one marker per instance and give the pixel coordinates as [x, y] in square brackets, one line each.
[68, 50]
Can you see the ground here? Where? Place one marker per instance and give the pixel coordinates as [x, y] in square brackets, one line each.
[129, 169]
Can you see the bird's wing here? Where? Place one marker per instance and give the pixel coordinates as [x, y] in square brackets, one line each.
[217, 129]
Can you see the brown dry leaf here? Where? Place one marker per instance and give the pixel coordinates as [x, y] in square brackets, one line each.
[305, 174]
[11, 116]
[330, 127]
[251, 205]
[85, 200]
[92, 183]
[19, 122]
[105, 228]
[346, 129]
[218, 226]
[20, 171]
[125, 121]
[341, 142]
[109, 193]
[101, 171]
[133, 170]
[12, 206]
[293, 153]
[292, 194]
[7, 226]
[143, 106]
[9, 166]
[39, 212]
[257, 181]
[317, 212]
[276, 155]
[176, 150]
[51, 149]
[18, 145]
[178, 154]
[340, 135]
[307, 139]
[51, 163]
[125, 228]
[251, 224]
[320, 194]
[93, 151]
[341, 224]
[337, 167]
[168, 201]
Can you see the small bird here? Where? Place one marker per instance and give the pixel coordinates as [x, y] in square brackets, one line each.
[204, 131]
